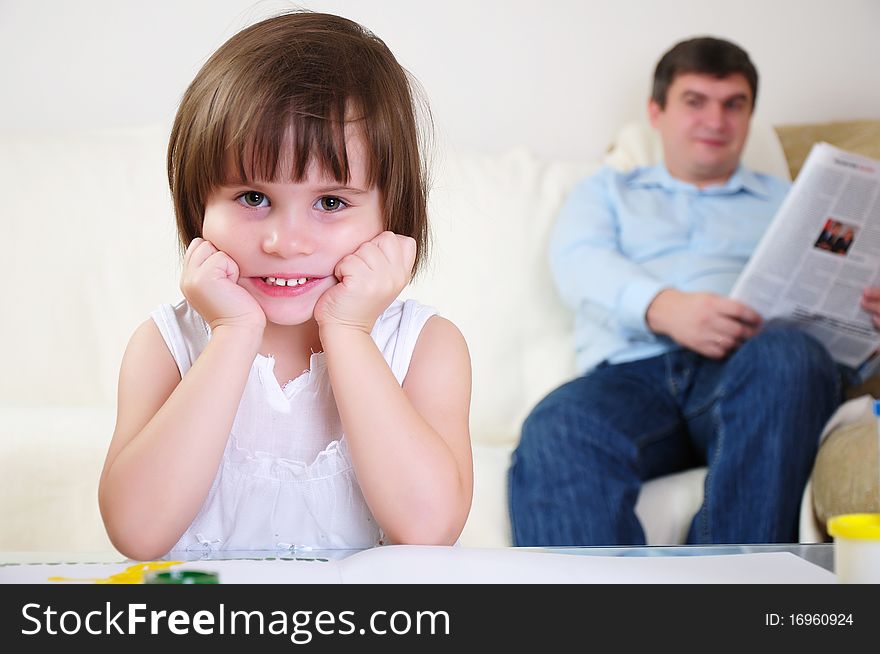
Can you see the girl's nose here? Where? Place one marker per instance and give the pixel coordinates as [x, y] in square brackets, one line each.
[287, 236]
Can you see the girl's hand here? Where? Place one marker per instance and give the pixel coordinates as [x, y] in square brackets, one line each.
[210, 284]
[369, 280]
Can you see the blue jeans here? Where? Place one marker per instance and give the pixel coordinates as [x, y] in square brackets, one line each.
[753, 418]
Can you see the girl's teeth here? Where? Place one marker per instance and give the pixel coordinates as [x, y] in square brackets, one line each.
[277, 281]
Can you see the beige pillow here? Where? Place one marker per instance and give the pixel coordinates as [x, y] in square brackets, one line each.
[860, 136]
[846, 475]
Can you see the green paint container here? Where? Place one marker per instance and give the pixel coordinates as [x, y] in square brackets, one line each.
[181, 577]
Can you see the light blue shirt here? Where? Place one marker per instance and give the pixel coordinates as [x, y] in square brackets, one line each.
[621, 238]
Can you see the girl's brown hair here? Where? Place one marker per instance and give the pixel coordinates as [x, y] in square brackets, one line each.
[296, 80]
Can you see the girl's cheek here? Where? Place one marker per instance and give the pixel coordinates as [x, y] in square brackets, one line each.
[209, 231]
[220, 234]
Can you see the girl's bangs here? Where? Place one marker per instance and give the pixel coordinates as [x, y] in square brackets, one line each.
[279, 143]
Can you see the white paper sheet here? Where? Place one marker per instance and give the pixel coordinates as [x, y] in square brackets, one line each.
[408, 564]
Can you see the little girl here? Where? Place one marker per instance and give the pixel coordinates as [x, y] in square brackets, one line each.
[290, 400]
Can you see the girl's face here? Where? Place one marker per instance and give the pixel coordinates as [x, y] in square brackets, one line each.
[288, 237]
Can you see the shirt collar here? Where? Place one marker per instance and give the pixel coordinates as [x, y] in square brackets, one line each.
[742, 179]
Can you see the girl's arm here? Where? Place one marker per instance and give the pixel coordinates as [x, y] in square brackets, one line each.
[410, 446]
[169, 438]
[171, 432]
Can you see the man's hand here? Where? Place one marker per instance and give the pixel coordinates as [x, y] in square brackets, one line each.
[871, 303]
[209, 282]
[707, 323]
[369, 280]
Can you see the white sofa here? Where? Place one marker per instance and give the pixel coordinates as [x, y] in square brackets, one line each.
[90, 248]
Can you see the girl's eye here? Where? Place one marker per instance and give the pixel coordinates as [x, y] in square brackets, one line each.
[330, 203]
[254, 199]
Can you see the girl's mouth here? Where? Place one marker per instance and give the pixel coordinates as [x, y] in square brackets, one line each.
[285, 286]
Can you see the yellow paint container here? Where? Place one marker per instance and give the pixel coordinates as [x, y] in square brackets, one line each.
[856, 547]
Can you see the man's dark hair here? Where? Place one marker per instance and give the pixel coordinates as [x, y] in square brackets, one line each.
[705, 55]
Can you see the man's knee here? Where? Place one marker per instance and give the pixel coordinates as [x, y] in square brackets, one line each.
[547, 424]
[573, 431]
[788, 354]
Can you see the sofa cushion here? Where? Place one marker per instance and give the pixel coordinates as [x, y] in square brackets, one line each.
[488, 523]
[51, 464]
[90, 250]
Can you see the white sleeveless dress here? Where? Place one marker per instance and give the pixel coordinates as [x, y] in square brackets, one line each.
[286, 480]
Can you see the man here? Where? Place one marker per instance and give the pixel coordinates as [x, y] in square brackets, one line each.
[676, 375]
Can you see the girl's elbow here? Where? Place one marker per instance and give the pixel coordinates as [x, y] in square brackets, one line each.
[436, 530]
[140, 551]
[134, 539]
[423, 537]
[138, 545]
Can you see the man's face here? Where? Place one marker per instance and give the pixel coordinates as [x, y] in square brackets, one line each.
[703, 126]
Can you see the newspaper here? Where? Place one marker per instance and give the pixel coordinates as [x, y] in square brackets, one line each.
[820, 251]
